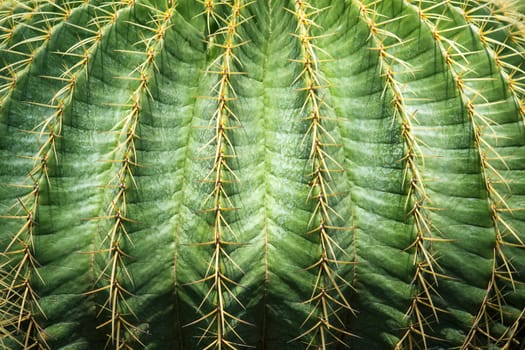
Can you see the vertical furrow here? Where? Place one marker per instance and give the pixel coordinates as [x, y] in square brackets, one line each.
[457, 62]
[329, 305]
[272, 163]
[49, 131]
[227, 174]
[483, 102]
[220, 329]
[114, 280]
[266, 279]
[76, 66]
[380, 229]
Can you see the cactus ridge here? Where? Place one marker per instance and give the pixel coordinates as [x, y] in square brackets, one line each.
[492, 164]
[508, 52]
[423, 311]
[220, 331]
[114, 278]
[327, 299]
[469, 85]
[18, 283]
[228, 174]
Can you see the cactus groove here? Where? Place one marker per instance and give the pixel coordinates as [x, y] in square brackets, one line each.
[231, 174]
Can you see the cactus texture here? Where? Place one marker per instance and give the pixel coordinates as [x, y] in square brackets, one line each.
[268, 174]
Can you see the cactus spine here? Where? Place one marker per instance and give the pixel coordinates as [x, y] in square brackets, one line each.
[229, 174]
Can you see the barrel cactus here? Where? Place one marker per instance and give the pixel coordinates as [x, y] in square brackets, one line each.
[230, 174]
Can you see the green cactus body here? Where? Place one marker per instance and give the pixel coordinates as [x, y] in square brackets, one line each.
[262, 174]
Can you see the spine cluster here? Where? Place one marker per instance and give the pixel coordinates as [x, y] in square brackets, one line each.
[325, 325]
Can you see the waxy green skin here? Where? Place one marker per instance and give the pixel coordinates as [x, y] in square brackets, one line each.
[432, 155]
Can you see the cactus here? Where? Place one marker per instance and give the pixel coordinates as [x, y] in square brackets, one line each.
[230, 174]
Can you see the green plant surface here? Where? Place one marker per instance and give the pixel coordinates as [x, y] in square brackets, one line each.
[262, 174]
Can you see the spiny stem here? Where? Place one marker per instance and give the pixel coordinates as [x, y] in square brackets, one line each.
[457, 56]
[508, 53]
[49, 130]
[115, 274]
[466, 84]
[328, 299]
[81, 54]
[426, 274]
[17, 285]
[36, 31]
[221, 324]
